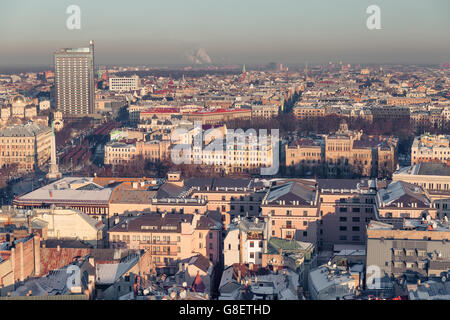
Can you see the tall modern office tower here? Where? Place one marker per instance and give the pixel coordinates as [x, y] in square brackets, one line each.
[74, 79]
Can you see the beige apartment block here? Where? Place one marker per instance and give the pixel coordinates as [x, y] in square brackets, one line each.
[27, 145]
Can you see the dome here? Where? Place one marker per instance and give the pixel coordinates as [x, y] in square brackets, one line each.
[18, 99]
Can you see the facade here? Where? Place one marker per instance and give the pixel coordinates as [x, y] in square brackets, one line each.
[119, 153]
[124, 83]
[415, 250]
[344, 153]
[265, 111]
[74, 81]
[347, 151]
[244, 241]
[306, 111]
[304, 152]
[218, 115]
[70, 224]
[346, 207]
[401, 200]
[292, 211]
[27, 146]
[430, 148]
[169, 237]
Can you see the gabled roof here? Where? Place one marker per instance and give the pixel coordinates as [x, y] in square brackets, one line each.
[108, 273]
[403, 192]
[291, 192]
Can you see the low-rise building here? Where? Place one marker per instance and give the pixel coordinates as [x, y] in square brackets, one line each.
[331, 283]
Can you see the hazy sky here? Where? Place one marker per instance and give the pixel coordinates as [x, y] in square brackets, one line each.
[230, 31]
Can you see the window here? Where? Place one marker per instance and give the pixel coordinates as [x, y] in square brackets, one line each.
[355, 219]
[252, 244]
[343, 238]
[342, 228]
[210, 235]
[305, 233]
[305, 223]
[342, 209]
[343, 219]
[252, 255]
[356, 209]
[355, 228]
[305, 213]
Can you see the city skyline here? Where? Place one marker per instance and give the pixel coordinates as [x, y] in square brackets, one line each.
[251, 33]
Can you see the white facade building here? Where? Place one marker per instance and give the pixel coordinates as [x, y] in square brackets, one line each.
[124, 83]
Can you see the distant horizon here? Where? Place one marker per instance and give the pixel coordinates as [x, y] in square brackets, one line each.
[41, 68]
[234, 32]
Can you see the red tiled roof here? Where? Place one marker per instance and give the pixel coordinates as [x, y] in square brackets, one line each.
[162, 110]
[221, 110]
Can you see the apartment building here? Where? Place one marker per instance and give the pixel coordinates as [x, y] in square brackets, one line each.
[124, 83]
[432, 177]
[169, 237]
[346, 207]
[404, 101]
[120, 153]
[27, 146]
[414, 250]
[218, 116]
[401, 200]
[430, 148]
[265, 111]
[305, 152]
[232, 197]
[308, 111]
[292, 209]
[244, 242]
